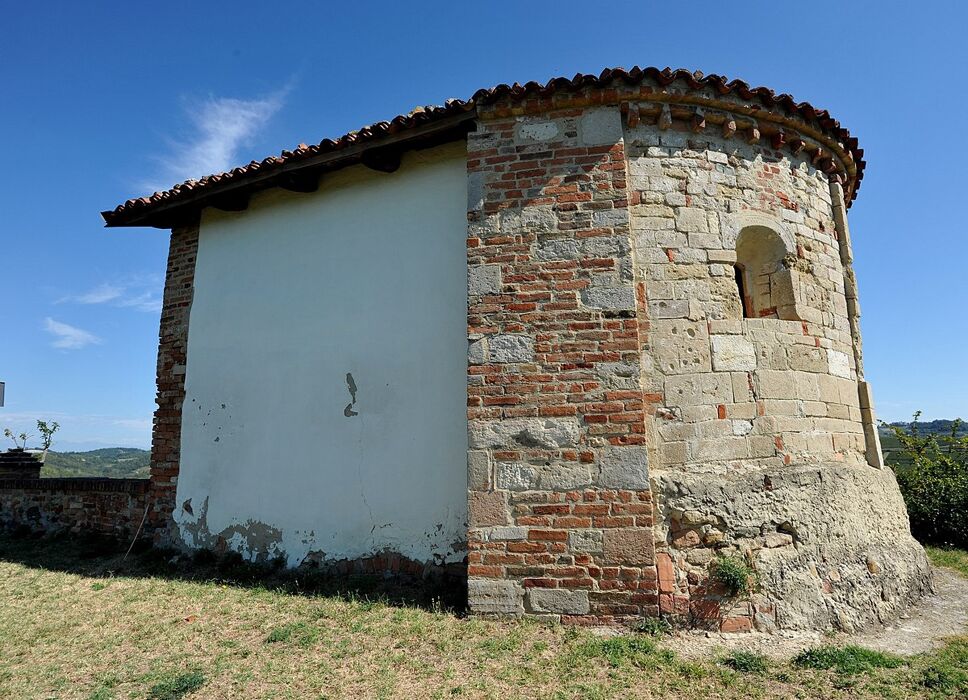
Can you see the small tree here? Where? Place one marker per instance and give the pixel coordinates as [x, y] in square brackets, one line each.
[46, 432]
[935, 484]
[19, 441]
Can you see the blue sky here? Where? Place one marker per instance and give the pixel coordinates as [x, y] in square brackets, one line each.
[104, 101]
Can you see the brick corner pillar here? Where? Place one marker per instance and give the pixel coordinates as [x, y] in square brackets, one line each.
[560, 508]
[172, 363]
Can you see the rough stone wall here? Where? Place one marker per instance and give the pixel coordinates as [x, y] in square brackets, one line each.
[559, 500]
[756, 418]
[112, 507]
[172, 358]
[764, 391]
[716, 236]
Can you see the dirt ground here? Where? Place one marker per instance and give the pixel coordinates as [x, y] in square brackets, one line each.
[942, 614]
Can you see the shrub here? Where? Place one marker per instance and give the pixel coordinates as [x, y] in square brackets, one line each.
[734, 574]
[934, 483]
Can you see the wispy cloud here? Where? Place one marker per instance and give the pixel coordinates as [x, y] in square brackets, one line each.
[140, 292]
[99, 295]
[69, 337]
[147, 301]
[220, 127]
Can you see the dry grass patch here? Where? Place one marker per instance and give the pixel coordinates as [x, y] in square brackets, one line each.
[71, 630]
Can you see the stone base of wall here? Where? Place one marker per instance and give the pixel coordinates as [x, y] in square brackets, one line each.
[830, 546]
[112, 507]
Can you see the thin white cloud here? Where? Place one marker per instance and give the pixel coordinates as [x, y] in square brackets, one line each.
[140, 292]
[148, 301]
[221, 126]
[69, 337]
[100, 294]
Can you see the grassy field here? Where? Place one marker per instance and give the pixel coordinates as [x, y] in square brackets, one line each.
[79, 623]
[955, 559]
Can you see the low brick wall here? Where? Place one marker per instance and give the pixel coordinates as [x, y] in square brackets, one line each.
[106, 506]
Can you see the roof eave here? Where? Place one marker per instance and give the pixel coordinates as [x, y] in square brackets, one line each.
[185, 207]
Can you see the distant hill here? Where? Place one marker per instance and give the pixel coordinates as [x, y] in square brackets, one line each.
[894, 453]
[931, 427]
[114, 462]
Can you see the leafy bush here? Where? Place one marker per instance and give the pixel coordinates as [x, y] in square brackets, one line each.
[734, 574]
[847, 660]
[934, 483]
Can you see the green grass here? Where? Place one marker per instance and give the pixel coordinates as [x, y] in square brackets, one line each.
[94, 628]
[945, 674]
[846, 660]
[746, 662]
[956, 559]
[624, 650]
[177, 687]
[299, 633]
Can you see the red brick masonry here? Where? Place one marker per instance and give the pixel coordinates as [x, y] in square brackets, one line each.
[172, 359]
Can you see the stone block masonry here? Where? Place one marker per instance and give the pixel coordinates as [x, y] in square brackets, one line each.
[560, 503]
[663, 340]
[113, 507]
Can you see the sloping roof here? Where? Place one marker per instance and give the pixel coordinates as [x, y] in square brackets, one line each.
[430, 124]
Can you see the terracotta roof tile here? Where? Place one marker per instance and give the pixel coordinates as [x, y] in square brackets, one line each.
[138, 211]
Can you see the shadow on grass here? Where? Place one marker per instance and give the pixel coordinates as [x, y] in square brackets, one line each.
[100, 557]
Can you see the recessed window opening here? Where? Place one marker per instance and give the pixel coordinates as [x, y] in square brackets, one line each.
[764, 278]
[741, 288]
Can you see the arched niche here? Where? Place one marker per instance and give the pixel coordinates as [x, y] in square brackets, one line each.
[765, 283]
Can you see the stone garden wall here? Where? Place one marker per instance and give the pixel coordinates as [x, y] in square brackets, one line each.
[113, 507]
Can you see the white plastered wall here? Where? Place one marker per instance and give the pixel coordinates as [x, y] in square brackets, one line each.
[300, 302]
